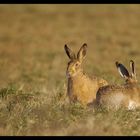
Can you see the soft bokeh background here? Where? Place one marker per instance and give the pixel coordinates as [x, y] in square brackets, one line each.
[33, 64]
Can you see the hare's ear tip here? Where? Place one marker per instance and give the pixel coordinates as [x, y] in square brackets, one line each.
[117, 63]
[65, 46]
[85, 44]
[131, 61]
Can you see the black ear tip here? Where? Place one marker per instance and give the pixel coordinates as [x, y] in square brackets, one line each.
[65, 46]
[117, 63]
[85, 44]
[131, 61]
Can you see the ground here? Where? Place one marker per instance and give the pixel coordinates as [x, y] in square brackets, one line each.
[33, 65]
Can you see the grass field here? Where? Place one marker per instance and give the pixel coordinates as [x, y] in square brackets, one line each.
[33, 65]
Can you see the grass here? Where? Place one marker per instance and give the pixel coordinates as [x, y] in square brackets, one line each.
[33, 63]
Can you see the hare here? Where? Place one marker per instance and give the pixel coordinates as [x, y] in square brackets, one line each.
[117, 96]
[80, 87]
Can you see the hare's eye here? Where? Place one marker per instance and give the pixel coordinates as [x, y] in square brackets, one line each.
[76, 64]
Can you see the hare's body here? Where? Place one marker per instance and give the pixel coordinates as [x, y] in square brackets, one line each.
[117, 96]
[81, 88]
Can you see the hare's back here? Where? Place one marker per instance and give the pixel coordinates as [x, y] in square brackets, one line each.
[111, 97]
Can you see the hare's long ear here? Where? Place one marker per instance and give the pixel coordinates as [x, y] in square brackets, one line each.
[82, 52]
[132, 67]
[69, 52]
[122, 70]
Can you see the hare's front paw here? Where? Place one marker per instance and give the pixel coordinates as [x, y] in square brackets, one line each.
[132, 105]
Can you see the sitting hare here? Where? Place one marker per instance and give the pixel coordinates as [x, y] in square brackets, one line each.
[80, 87]
[117, 96]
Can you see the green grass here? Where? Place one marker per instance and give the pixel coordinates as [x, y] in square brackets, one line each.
[34, 113]
[33, 64]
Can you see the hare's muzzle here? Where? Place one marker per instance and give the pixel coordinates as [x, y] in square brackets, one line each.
[70, 72]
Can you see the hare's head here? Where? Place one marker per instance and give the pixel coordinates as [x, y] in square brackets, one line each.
[74, 65]
[130, 78]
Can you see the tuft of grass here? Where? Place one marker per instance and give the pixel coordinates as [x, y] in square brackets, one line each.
[34, 113]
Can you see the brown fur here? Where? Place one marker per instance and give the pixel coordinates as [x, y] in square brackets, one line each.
[83, 89]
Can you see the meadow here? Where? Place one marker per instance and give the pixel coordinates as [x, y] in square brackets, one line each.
[33, 64]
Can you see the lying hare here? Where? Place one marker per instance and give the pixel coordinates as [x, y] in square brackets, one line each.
[80, 87]
[115, 96]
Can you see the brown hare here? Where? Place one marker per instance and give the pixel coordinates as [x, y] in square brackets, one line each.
[80, 87]
[117, 96]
